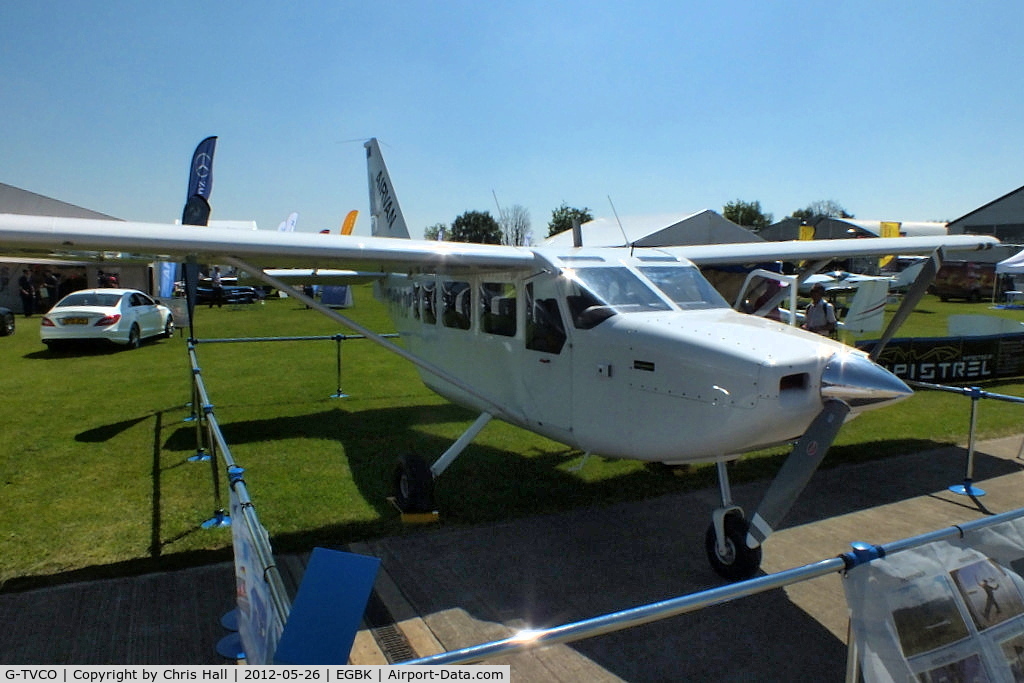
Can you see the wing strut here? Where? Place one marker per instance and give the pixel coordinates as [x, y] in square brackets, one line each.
[910, 300]
[493, 407]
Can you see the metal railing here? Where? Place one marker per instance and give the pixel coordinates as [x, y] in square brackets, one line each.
[211, 444]
[644, 614]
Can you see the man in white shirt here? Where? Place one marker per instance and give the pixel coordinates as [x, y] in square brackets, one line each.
[820, 315]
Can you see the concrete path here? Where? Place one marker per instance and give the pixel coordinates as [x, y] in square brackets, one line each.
[453, 587]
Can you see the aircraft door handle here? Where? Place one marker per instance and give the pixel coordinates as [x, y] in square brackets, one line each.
[546, 361]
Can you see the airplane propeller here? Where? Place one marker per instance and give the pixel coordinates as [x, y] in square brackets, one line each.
[796, 472]
[848, 380]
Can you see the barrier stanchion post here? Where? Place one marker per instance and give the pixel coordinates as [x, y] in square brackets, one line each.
[200, 455]
[220, 517]
[968, 488]
[337, 341]
[193, 416]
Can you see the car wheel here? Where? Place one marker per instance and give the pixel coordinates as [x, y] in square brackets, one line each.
[134, 337]
[7, 328]
[169, 328]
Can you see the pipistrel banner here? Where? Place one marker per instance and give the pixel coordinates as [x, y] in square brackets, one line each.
[946, 611]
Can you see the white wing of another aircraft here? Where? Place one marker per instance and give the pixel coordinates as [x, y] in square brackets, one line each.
[620, 352]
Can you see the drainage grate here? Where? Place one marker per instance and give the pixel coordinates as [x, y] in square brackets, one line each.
[390, 639]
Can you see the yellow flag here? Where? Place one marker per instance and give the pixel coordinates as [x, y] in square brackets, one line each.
[350, 222]
[807, 232]
[888, 229]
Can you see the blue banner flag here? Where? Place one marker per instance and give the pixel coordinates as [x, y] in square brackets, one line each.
[200, 178]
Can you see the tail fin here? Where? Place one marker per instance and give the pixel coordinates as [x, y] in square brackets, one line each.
[386, 218]
[867, 309]
[350, 222]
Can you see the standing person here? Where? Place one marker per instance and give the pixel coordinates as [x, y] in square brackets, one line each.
[218, 287]
[820, 315]
[50, 282]
[27, 292]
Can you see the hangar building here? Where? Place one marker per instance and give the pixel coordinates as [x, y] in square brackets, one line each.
[1002, 218]
[72, 275]
[658, 230]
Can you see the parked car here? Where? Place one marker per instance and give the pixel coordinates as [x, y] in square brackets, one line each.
[121, 316]
[964, 280]
[232, 294]
[6, 322]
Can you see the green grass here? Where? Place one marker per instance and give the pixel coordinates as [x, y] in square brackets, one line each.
[94, 463]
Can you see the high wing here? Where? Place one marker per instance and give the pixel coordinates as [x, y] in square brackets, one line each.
[800, 250]
[52, 237]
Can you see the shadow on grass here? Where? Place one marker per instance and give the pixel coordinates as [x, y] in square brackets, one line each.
[87, 347]
[489, 484]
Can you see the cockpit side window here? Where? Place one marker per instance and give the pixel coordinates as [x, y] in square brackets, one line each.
[544, 328]
[685, 286]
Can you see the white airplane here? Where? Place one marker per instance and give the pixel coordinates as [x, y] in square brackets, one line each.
[620, 352]
[866, 312]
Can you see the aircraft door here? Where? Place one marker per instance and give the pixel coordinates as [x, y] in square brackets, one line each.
[547, 368]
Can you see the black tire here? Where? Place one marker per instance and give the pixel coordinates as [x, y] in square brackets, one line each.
[134, 337]
[741, 562]
[7, 325]
[169, 327]
[413, 485]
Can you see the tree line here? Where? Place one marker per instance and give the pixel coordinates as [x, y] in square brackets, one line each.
[512, 225]
[749, 214]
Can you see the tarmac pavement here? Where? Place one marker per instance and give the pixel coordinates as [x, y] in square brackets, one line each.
[449, 588]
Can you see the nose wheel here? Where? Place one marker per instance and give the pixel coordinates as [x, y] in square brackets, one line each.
[731, 558]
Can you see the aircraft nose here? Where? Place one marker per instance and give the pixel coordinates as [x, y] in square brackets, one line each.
[860, 382]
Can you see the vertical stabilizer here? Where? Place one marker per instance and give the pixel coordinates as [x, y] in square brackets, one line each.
[867, 309]
[386, 218]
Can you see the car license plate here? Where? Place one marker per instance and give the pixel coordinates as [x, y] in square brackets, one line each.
[76, 321]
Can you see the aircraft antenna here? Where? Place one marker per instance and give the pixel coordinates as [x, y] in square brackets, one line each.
[621, 229]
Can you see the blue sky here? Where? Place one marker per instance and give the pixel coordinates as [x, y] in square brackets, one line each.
[897, 110]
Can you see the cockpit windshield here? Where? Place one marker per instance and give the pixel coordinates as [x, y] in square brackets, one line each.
[685, 286]
[598, 293]
[620, 289]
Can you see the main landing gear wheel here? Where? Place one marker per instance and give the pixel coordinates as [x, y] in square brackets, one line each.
[738, 562]
[414, 485]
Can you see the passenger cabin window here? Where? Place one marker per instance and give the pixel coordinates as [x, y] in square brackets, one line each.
[455, 304]
[597, 294]
[544, 328]
[498, 308]
[428, 300]
[685, 286]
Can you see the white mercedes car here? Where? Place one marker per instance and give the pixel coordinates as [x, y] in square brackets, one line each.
[121, 316]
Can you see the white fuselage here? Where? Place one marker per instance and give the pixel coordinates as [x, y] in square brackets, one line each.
[614, 355]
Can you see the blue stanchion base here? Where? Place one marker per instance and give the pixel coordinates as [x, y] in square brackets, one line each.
[339, 395]
[967, 489]
[199, 457]
[216, 522]
[230, 647]
[230, 620]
